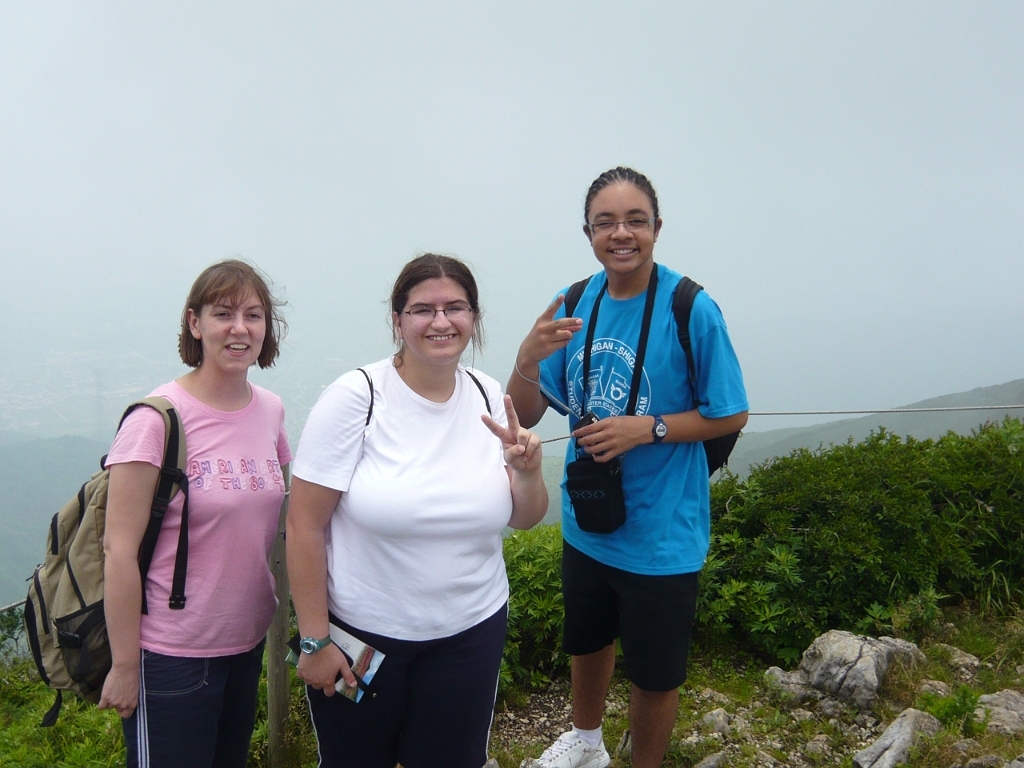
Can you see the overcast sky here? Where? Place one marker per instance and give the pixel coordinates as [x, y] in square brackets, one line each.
[846, 179]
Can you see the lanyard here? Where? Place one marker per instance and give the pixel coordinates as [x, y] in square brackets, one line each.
[638, 363]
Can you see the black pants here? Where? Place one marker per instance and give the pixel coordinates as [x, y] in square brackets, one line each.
[194, 712]
[429, 705]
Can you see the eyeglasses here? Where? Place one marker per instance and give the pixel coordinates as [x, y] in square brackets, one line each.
[453, 312]
[632, 225]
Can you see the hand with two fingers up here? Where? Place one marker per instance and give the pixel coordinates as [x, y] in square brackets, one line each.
[522, 447]
[547, 336]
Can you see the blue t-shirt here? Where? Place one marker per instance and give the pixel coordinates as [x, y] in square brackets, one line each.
[668, 510]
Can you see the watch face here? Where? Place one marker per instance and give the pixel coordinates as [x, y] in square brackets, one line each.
[309, 645]
[661, 430]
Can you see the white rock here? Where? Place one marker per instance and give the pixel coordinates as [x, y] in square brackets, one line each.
[853, 667]
[713, 761]
[1005, 711]
[966, 745]
[714, 696]
[893, 746]
[935, 687]
[965, 666]
[717, 720]
[817, 746]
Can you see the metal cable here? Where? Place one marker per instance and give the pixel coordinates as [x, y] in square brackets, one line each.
[887, 410]
[846, 413]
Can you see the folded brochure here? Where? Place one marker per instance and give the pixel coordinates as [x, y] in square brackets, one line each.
[364, 660]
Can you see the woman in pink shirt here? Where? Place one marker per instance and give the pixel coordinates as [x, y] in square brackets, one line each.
[184, 679]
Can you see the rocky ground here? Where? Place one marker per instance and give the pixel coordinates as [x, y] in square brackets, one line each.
[754, 722]
[758, 732]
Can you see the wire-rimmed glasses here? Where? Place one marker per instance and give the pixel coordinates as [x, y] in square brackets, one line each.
[633, 224]
[426, 313]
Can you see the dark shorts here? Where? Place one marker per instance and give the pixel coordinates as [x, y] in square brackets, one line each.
[651, 615]
[429, 705]
[194, 712]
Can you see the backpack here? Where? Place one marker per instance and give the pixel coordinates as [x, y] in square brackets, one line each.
[717, 449]
[64, 618]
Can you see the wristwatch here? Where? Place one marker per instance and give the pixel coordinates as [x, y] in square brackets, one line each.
[311, 645]
[659, 430]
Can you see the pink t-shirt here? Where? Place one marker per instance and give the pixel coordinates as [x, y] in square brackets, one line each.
[235, 494]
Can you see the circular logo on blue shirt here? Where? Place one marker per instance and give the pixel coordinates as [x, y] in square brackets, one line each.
[611, 373]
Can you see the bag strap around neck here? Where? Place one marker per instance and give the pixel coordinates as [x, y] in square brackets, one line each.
[638, 363]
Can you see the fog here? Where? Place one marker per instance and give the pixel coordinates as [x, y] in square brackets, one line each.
[845, 179]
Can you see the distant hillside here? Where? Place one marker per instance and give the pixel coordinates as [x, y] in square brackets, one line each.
[756, 447]
[37, 477]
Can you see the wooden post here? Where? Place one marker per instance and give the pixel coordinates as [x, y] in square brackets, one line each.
[277, 668]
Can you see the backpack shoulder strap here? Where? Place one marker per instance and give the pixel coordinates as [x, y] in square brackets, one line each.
[172, 476]
[716, 449]
[369, 383]
[572, 296]
[483, 392]
[682, 302]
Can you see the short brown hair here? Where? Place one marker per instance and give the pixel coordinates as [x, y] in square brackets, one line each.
[232, 279]
[430, 266]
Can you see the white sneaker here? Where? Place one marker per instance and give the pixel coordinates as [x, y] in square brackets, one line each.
[570, 751]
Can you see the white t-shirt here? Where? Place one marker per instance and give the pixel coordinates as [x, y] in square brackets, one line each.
[414, 546]
[234, 502]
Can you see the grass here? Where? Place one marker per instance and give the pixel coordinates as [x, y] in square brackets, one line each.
[84, 736]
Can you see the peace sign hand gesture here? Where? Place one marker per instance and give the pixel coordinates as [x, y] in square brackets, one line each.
[547, 335]
[522, 447]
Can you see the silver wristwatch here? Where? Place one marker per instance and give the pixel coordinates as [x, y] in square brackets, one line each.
[659, 430]
[311, 645]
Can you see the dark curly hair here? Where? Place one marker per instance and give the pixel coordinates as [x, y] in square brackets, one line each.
[615, 175]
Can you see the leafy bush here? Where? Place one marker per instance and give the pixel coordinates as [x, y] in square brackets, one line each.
[865, 535]
[532, 651]
[956, 712]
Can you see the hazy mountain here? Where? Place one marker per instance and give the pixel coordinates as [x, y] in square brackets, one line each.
[756, 447]
[38, 478]
[40, 475]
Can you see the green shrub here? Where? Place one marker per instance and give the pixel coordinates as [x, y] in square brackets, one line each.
[868, 535]
[532, 651]
[956, 712]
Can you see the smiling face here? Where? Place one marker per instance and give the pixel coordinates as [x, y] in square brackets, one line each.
[440, 339]
[231, 332]
[623, 253]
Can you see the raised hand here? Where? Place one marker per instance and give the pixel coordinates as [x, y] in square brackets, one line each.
[547, 335]
[522, 447]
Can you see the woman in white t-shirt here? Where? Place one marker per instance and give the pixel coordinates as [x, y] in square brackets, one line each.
[184, 677]
[400, 496]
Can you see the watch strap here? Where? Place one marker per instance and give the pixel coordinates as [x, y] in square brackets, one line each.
[660, 429]
[311, 645]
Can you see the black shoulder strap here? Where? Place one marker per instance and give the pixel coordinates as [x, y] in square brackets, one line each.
[572, 296]
[483, 393]
[717, 449]
[641, 351]
[682, 302]
[172, 474]
[369, 383]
